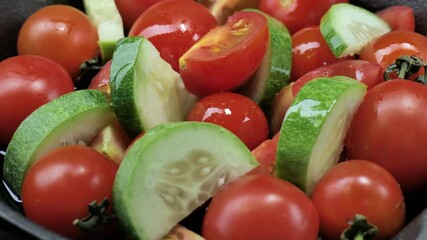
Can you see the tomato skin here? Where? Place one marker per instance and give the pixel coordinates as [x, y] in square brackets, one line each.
[237, 113]
[61, 33]
[359, 187]
[390, 46]
[260, 206]
[59, 186]
[399, 17]
[131, 9]
[310, 51]
[389, 129]
[227, 56]
[101, 81]
[265, 153]
[173, 26]
[26, 83]
[297, 14]
[366, 72]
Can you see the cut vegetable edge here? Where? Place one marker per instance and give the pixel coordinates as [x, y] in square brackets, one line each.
[274, 71]
[312, 136]
[347, 28]
[73, 118]
[106, 17]
[167, 175]
[146, 91]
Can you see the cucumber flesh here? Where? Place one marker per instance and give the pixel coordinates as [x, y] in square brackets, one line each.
[347, 28]
[73, 118]
[313, 130]
[173, 169]
[145, 90]
[106, 17]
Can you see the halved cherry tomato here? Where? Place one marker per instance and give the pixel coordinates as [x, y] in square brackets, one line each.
[399, 17]
[227, 56]
[359, 187]
[260, 206]
[173, 26]
[26, 83]
[390, 46]
[297, 14]
[310, 51]
[61, 33]
[239, 114]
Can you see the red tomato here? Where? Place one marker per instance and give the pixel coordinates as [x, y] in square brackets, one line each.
[390, 46]
[101, 81]
[297, 14]
[260, 206]
[310, 51]
[58, 188]
[227, 56]
[26, 83]
[131, 9]
[173, 27]
[366, 72]
[235, 112]
[399, 17]
[265, 153]
[61, 33]
[359, 187]
[389, 129]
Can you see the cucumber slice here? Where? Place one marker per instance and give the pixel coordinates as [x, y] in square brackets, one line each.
[73, 118]
[275, 69]
[347, 28]
[313, 131]
[145, 90]
[106, 17]
[173, 169]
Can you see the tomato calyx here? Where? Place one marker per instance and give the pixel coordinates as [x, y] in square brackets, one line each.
[405, 66]
[97, 218]
[359, 229]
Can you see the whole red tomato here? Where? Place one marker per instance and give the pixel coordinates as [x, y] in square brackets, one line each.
[390, 46]
[358, 187]
[59, 186]
[237, 113]
[61, 33]
[389, 129]
[26, 83]
[297, 14]
[399, 17]
[310, 51]
[173, 26]
[260, 206]
[101, 81]
[131, 9]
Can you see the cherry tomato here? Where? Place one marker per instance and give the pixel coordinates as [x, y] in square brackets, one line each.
[101, 81]
[227, 56]
[173, 27]
[131, 9]
[390, 46]
[366, 72]
[297, 14]
[310, 51]
[399, 17]
[260, 206]
[265, 153]
[26, 83]
[237, 113]
[359, 187]
[389, 129]
[58, 188]
[61, 33]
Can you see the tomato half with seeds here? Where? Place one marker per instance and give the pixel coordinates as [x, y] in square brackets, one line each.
[237, 113]
[227, 56]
